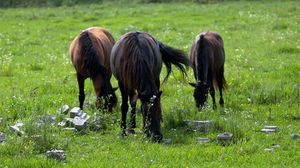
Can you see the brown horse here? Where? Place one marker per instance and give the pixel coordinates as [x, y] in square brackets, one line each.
[136, 62]
[90, 52]
[207, 57]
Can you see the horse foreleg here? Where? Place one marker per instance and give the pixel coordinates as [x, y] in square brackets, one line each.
[212, 94]
[221, 99]
[124, 107]
[81, 95]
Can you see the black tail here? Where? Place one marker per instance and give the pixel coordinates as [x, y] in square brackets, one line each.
[92, 60]
[173, 56]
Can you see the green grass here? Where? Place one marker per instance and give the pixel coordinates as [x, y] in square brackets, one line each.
[262, 69]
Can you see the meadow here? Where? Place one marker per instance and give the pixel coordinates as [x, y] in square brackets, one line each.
[262, 69]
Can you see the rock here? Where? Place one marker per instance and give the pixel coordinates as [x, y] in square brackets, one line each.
[51, 119]
[69, 122]
[203, 140]
[2, 137]
[61, 124]
[273, 127]
[16, 129]
[295, 136]
[225, 138]
[268, 130]
[69, 129]
[64, 109]
[97, 124]
[74, 112]
[201, 126]
[167, 141]
[79, 123]
[269, 149]
[56, 154]
[274, 146]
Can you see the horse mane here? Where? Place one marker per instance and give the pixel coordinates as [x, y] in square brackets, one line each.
[90, 51]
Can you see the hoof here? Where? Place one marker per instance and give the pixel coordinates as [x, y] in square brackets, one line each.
[131, 131]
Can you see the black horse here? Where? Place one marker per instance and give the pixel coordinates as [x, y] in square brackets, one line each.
[136, 62]
[207, 57]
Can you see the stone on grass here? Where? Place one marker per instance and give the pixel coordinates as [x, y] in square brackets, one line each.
[48, 118]
[2, 137]
[74, 112]
[225, 138]
[203, 140]
[16, 129]
[64, 109]
[69, 129]
[295, 136]
[167, 141]
[61, 124]
[269, 129]
[269, 149]
[56, 154]
[79, 123]
[97, 124]
[201, 126]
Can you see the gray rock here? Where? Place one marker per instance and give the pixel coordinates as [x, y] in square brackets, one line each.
[79, 123]
[70, 129]
[2, 137]
[16, 129]
[56, 154]
[273, 127]
[97, 124]
[64, 109]
[269, 149]
[50, 119]
[61, 124]
[225, 136]
[268, 130]
[203, 140]
[295, 136]
[167, 141]
[201, 126]
[74, 112]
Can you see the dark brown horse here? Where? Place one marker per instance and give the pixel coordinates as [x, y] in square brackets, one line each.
[136, 62]
[90, 52]
[207, 58]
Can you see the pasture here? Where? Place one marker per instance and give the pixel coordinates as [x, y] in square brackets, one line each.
[262, 69]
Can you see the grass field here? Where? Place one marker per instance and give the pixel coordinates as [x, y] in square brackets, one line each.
[262, 68]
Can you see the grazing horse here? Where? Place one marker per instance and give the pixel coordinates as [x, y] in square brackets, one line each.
[207, 57]
[90, 52]
[136, 62]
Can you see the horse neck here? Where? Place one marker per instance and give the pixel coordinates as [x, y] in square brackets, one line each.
[202, 64]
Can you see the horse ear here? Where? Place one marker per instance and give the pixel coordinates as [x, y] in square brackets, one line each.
[114, 89]
[193, 84]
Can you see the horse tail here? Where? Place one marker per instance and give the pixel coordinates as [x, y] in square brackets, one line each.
[173, 56]
[91, 58]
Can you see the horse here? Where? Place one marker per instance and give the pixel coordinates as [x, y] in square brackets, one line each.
[207, 57]
[136, 62]
[90, 56]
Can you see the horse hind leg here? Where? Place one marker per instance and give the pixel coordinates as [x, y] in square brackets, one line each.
[212, 94]
[124, 107]
[132, 124]
[81, 95]
[221, 85]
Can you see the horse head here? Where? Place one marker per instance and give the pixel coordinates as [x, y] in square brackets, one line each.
[107, 100]
[200, 93]
[151, 109]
